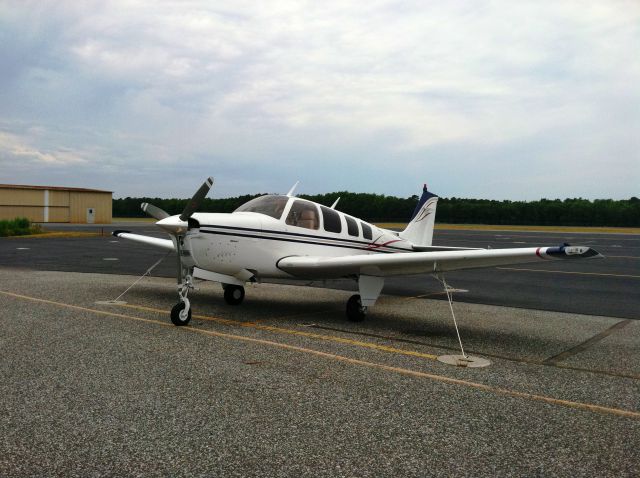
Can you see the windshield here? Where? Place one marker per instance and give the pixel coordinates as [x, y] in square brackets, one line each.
[269, 205]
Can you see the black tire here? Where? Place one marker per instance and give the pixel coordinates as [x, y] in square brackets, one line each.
[175, 314]
[234, 294]
[355, 311]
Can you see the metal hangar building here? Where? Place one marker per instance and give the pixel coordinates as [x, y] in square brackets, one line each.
[55, 204]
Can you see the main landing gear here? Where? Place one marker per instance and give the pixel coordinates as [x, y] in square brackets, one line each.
[233, 294]
[356, 312]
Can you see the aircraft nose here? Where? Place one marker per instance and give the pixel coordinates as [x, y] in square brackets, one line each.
[173, 225]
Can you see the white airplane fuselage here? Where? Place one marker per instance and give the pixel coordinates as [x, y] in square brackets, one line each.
[249, 241]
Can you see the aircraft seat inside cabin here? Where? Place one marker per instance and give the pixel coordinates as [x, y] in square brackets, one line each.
[308, 219]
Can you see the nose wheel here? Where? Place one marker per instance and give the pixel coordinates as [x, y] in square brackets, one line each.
[181, 312]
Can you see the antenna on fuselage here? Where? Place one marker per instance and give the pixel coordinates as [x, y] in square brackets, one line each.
[293, 188]
[335, 203]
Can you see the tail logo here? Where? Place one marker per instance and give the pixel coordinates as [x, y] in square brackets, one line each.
[426, 211]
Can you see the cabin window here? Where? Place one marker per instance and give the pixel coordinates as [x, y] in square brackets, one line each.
[303, 214]
[332, 222]
[269, 205]
[366, 231]
[352, 226]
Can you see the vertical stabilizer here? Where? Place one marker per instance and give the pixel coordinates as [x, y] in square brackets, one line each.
[419, 231]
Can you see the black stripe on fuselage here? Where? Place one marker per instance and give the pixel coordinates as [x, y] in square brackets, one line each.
[368, 245]
[298, 241]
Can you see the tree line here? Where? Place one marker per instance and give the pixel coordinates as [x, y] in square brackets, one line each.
[381, 208]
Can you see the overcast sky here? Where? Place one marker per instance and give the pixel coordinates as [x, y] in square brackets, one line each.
[496, 99]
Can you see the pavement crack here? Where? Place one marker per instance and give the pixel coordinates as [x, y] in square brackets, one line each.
[586, 344]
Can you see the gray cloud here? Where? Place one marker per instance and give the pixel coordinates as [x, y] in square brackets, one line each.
[486, 99]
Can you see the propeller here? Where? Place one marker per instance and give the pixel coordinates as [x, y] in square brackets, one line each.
[154, 211]
[175, 224]
[197, 198]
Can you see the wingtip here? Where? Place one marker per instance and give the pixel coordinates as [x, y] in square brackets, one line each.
[567, 251]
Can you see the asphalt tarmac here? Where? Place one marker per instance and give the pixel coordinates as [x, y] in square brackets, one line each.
[283, 386]
[608, 287]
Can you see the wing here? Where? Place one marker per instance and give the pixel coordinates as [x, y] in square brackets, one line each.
[166, 244]
[404, 263]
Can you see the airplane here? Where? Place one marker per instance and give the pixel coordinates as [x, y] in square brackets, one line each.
[283, 236]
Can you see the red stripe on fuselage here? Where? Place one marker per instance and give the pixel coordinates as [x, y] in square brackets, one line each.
[377, 246]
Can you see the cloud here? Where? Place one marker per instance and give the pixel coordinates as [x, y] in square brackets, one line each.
[15, 151]
[289, 89]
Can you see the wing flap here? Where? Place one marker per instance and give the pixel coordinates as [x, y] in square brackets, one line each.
[405, 263]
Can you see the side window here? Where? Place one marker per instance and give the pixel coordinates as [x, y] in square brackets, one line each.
[332, 221]
[366, 231]
[352, 226]
[303, 214]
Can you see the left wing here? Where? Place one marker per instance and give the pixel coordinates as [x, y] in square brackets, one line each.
[166, 244]
[404, 263]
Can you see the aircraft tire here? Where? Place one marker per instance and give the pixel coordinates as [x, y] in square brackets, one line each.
[234, 294]
[175, 315]
[355, 311]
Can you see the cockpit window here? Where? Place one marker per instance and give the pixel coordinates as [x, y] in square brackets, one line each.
[269, 205]
[303, 214]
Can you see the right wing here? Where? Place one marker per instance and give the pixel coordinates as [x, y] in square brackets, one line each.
[166, 244]
[406, 263]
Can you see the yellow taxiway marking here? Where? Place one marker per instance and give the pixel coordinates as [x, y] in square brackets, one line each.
[431, 294]
[373, 365]
[301, 333]
[569, 272]
[84, 309]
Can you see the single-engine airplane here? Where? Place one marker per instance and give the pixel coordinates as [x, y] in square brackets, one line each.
[283, 236]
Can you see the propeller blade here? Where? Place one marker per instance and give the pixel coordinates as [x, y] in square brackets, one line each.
[196, 200]
[154, 211]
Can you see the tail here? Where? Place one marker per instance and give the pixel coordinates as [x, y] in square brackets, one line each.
[419, 231]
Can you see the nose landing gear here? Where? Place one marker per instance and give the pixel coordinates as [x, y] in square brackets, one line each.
[181, 312]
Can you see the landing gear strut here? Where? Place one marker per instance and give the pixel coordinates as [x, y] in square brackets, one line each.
[233, 294]
[356, 312]
[181, 312]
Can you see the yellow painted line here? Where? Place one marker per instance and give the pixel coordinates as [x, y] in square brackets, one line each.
[403, 371]
[503, 228]
[300, 333]
[431, 294]
[568, 272]
[438, 378]
[483, 227]
[57, 234]
[83, 309]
